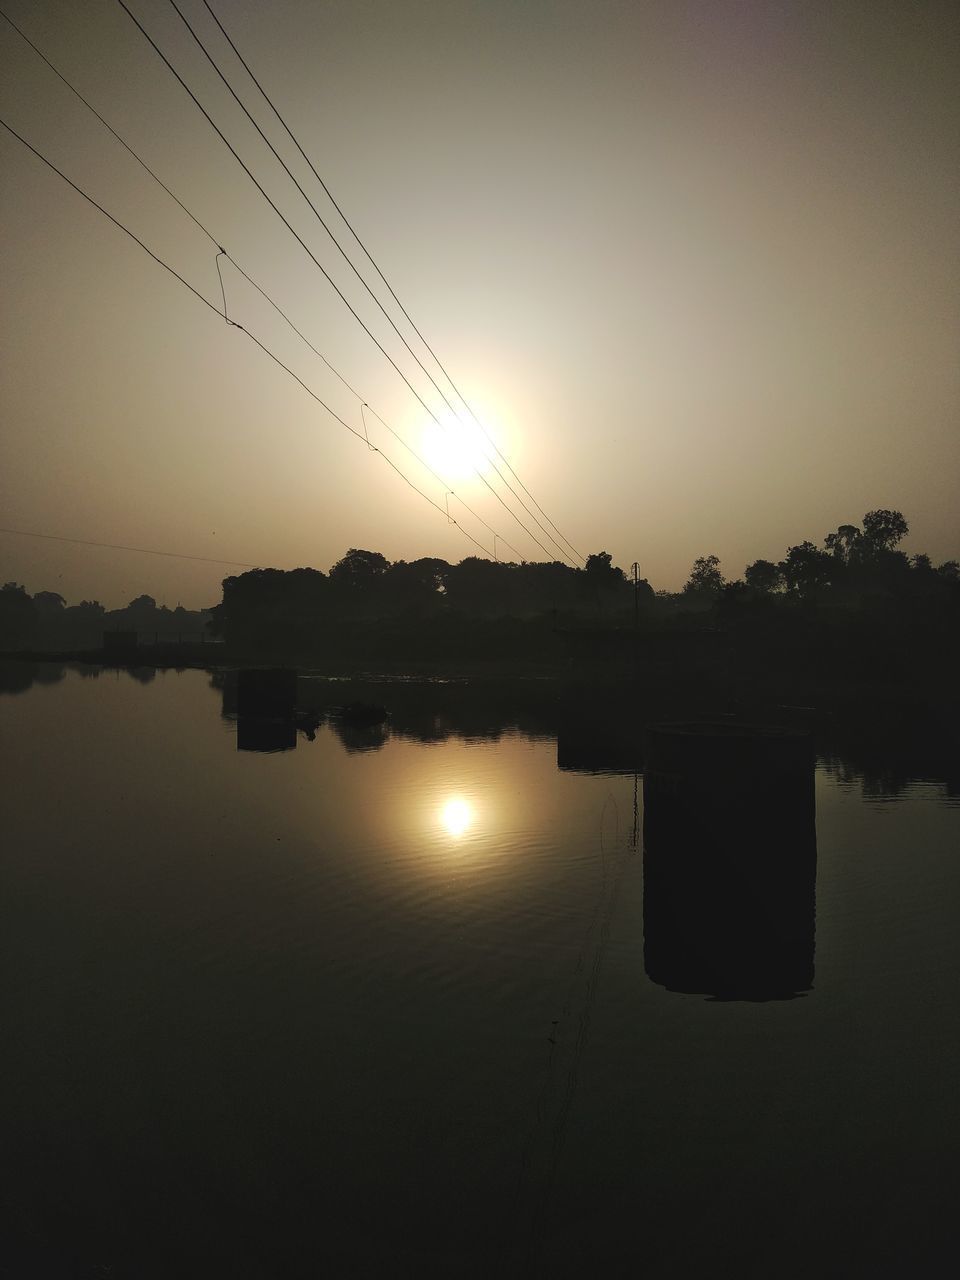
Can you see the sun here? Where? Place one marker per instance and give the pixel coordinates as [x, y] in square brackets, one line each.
[455, 452]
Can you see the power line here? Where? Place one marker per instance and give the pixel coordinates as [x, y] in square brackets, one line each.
[90, 200]
[117, 546]
[347, 259]
[349, 225]
[343, 253]
[253, 338]
[363, 404]
[74, 90]
[313, 258]
[203, 49]
[221, 252]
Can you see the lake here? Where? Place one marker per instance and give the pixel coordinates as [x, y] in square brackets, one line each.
[381, 1005]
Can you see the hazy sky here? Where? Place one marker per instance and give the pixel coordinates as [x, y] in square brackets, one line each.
[695, 265]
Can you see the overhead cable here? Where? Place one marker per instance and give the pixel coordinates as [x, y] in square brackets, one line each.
[222, 252]
[74, 90]
[117, 546]
[313, 257]
[376, 266]
[363, 404]
[252, 336]
[349, 261]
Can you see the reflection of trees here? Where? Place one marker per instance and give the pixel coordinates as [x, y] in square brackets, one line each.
[142, 675]
[883, 755]
[596, 733]
[18, 677]
[49, 673]
[357, 736]
[892, 774]
[432, 711]
[875, 782]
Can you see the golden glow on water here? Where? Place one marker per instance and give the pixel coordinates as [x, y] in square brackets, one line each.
[456, 816]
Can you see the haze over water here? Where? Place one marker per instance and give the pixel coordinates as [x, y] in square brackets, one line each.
[386, 1011]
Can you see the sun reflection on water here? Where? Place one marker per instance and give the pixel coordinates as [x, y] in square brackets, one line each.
[456, 816]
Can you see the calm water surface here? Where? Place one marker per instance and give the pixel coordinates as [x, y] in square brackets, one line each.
[386, 1012]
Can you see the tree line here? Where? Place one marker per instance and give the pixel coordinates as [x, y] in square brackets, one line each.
[364, 586]
[366, 599]
[856, 561]
[46, 621]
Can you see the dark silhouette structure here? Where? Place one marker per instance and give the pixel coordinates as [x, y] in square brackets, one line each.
[729, 861]
[267, 693]
[267, 736]
[264, 701]
[266, 705]
[591, 738]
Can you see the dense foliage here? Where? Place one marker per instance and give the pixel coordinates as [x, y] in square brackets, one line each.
[856, 592]
[46, 621]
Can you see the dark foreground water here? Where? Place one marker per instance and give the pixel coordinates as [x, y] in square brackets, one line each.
[347, 1012]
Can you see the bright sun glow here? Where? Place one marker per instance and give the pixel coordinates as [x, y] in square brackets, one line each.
[456, 454]
[456, 815]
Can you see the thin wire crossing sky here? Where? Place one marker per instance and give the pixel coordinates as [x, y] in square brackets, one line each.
[694, 265]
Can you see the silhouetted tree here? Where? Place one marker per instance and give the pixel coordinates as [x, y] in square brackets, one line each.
[416, 588]
[483, 587]
[645, 591]
[49, 604]
[359, 570]
[548, 586]
[142, 605]
[82, 624]
[843, 543]
[270, 608]
[602, 581]
[705, 577]
[883, 530]
[807, 570]
[764, 576]
[601, 572]
[18, 617]
[88, 610]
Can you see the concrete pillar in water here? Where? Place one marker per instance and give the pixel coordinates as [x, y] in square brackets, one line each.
[267, 692]
[265, 703]
[729, 860]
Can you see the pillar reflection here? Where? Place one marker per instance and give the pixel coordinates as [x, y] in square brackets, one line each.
[265, 735]
[729, 862]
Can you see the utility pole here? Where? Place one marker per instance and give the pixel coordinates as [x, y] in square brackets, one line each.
[635, 570]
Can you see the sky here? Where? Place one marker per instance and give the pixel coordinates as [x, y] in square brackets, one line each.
[694, 265]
